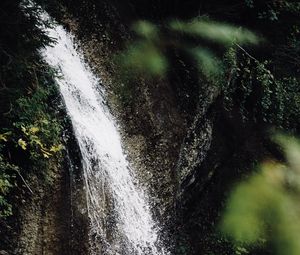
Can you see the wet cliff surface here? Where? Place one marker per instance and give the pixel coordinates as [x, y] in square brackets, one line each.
[167, 136]
[187, 146]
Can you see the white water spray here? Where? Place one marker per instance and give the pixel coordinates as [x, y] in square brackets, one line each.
[123, 224]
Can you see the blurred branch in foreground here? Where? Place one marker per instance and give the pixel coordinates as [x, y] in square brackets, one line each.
[264, 211]
[148, 54]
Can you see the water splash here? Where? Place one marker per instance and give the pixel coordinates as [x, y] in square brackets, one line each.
[120, 217]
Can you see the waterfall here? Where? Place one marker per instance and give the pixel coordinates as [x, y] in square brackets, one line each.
[118, 209]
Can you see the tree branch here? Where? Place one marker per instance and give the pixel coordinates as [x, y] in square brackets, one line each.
[24, 182]
[246, 52]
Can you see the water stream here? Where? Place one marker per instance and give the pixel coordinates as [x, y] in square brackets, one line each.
[118, 209]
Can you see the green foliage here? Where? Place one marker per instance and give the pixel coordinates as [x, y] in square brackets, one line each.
[19, 43]
[146, 29]
[208, 63]
[264, 210]
[273, 10]
[147, 55]
[258, 95]
[36, 127]
[239, 250]
[30, 131]
[145, 58]
[7, 182]
[36, 132]
[264, 90]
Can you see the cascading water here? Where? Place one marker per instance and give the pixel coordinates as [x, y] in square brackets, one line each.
[119, 213]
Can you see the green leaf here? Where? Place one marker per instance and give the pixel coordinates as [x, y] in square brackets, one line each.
[56, 148]
[34, 130]
[217, 32]
[144, 57]
[22, 144]
[146, 29]
[207, 61]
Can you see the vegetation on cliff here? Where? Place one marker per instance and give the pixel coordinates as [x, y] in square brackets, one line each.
[31, 126]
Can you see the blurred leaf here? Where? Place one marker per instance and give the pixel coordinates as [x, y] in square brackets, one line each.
[146, 29]
[291, 147]
[145, 58]
[207, 61]
[266, 206]
[218, 32]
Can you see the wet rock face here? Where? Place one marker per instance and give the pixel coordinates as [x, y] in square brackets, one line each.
[186, 154]
[165, 153]
[193, 152]
[197, 141]
[227, 150]
[45, 218]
